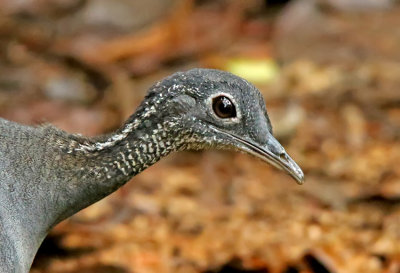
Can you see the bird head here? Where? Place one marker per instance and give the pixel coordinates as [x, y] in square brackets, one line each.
[217, 109]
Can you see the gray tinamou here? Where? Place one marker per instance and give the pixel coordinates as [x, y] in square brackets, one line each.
[47, 175]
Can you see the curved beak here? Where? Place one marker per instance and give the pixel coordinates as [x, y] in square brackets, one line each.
[273, 153]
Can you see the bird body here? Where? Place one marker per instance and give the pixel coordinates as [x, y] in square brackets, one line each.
[23, 164]
[47, 175]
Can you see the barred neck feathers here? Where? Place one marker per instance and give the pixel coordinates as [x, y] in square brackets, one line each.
[150, 117]
[126, 153]
[98, 166]
[149, 134]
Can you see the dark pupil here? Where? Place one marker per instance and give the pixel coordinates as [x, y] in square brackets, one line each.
[223, 107]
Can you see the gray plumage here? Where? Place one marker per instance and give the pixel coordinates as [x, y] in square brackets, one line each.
[46, 175]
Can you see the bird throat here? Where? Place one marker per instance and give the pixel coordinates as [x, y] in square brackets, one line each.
[94, 168]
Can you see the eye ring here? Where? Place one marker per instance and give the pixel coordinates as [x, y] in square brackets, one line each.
[223, 107]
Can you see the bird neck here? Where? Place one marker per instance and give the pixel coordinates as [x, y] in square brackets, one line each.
[94, 168]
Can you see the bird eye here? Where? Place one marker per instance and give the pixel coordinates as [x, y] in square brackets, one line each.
[224, 107]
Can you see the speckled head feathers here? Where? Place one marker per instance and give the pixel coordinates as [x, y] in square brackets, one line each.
[199, 100]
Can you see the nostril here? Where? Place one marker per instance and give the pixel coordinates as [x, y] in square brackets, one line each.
[283, 156]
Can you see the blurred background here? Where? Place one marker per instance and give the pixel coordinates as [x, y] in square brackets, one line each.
[330, 73]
